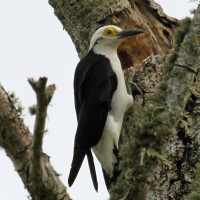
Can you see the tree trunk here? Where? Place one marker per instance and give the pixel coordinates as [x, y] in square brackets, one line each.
[160, 141]
[173, 182]
[144, 15]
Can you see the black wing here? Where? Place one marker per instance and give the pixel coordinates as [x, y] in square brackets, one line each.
[94, 85]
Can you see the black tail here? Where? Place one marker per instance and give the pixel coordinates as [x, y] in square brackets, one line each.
[76, 164]
[92, 169]
[107, 179]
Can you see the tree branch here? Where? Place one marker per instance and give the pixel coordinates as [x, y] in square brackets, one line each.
[16, 140]
[44, 96]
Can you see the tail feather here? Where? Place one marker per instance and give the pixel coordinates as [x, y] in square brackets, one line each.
[76, 164]
[110, 181]
[107, 179]
[92, 169]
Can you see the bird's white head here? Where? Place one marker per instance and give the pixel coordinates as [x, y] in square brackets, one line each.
[110, 37]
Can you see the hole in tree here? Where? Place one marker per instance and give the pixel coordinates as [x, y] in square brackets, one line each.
[166, 33]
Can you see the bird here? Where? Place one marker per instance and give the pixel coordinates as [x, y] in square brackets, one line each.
[101, 100]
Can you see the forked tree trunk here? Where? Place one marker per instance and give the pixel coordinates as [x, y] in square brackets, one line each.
[82, 17]
[144, 175]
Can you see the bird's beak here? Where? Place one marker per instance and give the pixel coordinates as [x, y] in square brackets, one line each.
[127, 33]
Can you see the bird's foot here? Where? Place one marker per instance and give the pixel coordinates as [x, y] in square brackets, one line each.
[133, 87]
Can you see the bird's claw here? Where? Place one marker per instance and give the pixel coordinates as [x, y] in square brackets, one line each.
[133, 87]
[136, 87]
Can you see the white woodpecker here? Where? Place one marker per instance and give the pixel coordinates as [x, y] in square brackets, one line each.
[101, 99]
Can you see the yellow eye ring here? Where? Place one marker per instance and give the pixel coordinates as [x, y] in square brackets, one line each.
[110, 31]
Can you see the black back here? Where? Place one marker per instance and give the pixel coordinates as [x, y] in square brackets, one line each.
[94, 85]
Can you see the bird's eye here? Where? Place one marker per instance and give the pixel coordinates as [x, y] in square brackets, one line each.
[110, 31]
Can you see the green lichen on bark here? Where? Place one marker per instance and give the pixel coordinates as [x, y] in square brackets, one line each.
[16, 103]
[32, 110]
[143, 151]
[149, 128]
[195, 186]
[178, 39]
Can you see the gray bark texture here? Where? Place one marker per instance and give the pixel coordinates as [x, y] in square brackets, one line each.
[147, 53]
[80, 18]
[160, 140]
[177, 100]
[184, 146]
[42, 182]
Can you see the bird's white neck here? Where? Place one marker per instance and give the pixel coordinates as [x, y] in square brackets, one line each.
[108, 51]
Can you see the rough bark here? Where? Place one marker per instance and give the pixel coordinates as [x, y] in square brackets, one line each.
[181, 100]
[80, 18]
[159, 28]
[184, 146]
[16, 140]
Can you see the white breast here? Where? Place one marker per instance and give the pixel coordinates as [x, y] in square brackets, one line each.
[121, 102]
